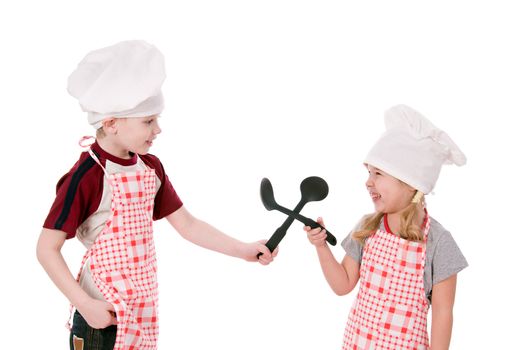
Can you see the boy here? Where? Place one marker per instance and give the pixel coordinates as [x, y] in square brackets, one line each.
[110, 198]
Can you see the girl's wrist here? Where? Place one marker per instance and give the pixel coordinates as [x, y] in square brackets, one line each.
[322, 247]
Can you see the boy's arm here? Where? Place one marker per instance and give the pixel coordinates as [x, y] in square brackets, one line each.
[207, 236]
[443, 295]
[97, 313]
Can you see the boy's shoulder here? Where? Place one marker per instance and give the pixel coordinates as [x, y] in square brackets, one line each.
[153, 162]
[78, 194]
[149, 157]
[80, 172]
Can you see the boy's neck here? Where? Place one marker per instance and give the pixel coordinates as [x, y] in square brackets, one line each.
[113, 148]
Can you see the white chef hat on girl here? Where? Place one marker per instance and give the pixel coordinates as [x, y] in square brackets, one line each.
[122, 80]
[412, 149]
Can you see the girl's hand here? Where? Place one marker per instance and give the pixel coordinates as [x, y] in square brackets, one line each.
[97, 313]
[316, 236]
[251, 251]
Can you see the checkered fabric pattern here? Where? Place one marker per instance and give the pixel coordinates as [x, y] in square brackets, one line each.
[377, 280]
[123, 260]
[390, 312]
[409, 256]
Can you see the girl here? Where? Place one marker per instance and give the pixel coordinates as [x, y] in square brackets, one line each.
[404, 259]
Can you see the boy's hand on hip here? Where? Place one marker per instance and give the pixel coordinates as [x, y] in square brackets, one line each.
[97, 313]
[251, 251]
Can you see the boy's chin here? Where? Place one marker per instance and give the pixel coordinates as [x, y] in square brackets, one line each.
[140, 150]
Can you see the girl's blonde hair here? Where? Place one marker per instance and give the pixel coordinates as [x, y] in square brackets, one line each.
[409, 230]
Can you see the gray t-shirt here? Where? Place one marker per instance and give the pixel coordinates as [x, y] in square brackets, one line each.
[443, 256]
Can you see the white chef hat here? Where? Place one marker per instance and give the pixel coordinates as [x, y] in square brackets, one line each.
[122, 80]
[412, 149]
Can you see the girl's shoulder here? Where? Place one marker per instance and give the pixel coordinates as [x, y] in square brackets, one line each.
[443, 255]
[438, 233]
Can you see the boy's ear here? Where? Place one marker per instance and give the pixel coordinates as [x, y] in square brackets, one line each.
[110, 125]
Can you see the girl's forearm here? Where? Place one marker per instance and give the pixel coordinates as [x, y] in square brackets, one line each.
[441, 329]
[334, 272]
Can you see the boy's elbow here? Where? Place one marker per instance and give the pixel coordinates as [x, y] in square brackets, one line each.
[50, 242]
[41, 251]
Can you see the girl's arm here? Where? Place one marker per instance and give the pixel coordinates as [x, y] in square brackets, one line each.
[97, 313]
[443, 295]
[209, 237]
[341, 277]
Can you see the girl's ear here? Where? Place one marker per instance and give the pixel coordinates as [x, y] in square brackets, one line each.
[110, 126]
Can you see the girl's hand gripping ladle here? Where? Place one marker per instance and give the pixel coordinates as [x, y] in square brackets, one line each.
[312, 189]
[269, 202]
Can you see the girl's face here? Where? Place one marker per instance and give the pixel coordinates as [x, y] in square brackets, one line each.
[137, 134]
[389, 195]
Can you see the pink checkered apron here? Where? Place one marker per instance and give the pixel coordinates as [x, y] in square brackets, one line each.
[391, 308]
[123, 259]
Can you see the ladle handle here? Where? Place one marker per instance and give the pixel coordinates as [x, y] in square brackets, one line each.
[309, 222]
[280, 232]
[329, 236]
[275, 239]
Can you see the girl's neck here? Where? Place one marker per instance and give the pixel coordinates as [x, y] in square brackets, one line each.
[394, 220]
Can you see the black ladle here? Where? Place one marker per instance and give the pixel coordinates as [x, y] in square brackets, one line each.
[312, 189]
[269, 202]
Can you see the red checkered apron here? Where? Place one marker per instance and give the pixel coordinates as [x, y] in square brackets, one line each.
[123, 260]
[391, 308]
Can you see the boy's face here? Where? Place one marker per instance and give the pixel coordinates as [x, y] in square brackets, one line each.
[137, 134]
[389, 195]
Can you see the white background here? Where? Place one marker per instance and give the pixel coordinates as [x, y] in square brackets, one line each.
[284, 90]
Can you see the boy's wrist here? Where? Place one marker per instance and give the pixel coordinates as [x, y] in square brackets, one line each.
[81, 300]
[241, 249]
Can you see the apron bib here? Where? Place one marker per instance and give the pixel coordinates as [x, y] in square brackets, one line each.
[391, 308]
[122, 259]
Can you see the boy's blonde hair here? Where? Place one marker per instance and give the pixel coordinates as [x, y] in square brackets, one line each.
[100, 133]
[409, 230]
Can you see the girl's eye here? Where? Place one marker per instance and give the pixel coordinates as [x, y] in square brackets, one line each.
[377, 173]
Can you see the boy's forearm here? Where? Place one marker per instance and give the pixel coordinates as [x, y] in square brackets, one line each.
[207, 236]
[53, 263]
[442, 321]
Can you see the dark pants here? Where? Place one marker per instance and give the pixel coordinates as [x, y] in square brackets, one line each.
[83, 337]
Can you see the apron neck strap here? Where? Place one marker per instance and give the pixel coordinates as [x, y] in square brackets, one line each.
[85, 143]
